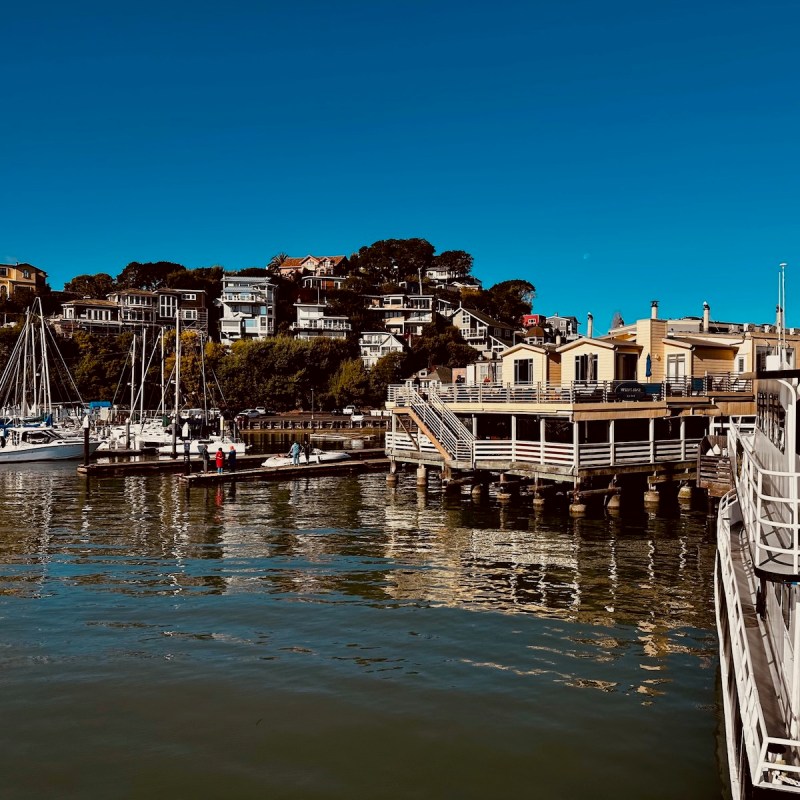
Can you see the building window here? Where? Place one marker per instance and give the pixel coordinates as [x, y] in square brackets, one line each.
[3, 272]
[586, 367]
[26, 273]
[166, 305]
[740, 364]
[189, 296]
[523, 370]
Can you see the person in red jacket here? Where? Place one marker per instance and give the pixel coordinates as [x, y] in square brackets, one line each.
[220, 461]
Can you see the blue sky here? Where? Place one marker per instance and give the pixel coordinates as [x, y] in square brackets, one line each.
[609, 152]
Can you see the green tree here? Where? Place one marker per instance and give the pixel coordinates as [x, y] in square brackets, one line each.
[95, 286]
[441, 345]
[456, 262]
[506, 302]
[389, 369]
[350, 383]
[392, 260]
[98, 365]
[150, 275]
[275, 263]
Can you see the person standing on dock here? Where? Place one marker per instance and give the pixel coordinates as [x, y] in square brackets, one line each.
[294, 452]
[220, 461]
[232, 459]
[307, 450]
[203, 448]
[187, 449]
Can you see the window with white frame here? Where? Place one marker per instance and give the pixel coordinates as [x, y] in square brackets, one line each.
[523, 370]
[167, 303]
[586, 367]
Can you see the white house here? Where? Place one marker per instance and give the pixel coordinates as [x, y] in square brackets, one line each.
[248, 308]
[377, 344]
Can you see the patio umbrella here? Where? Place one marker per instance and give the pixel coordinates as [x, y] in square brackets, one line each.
[648, 366]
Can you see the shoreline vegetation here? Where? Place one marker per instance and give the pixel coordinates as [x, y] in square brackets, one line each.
[280, 371]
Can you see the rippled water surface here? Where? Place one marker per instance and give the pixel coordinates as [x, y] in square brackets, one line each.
[332, 638]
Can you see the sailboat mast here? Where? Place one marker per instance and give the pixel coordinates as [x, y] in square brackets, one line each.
[133, 377]
[44, 382]
[144, 372]
[162, 409]
[177, 378]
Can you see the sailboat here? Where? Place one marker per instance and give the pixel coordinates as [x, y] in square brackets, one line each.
[27, 432]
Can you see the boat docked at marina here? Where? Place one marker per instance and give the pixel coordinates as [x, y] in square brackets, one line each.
[43, 443]
[34, 426]
[757, 593]
[316, 456]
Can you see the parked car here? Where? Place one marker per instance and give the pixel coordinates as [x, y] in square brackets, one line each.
[249, 412]
[351, 409]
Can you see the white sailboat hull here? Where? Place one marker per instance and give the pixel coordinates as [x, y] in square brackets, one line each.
[51, 451]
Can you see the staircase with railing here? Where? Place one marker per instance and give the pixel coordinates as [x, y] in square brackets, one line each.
[448, 430]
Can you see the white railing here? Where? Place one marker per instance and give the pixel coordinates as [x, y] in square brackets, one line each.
[402, 441]
[770, 503]
[555, 453]
[445, 426]
[581, 391]
[589, 455]
[757, 742]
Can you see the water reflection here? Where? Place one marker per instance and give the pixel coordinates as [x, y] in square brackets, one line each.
[353, 537]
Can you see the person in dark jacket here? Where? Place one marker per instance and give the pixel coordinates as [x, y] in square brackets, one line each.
[232, 459]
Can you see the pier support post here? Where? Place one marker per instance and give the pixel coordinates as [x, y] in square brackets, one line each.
[614, 503]
[577, 508]
[391, 478]
[422, 476]
[685, 493]
[507, 489]
[477, 491]
[651, 496]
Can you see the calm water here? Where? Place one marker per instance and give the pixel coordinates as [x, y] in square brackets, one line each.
[331, 638]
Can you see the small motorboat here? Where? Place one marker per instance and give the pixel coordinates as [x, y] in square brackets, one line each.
[317, 456]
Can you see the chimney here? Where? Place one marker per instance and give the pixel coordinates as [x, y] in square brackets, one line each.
[706, 316]
[589, 325]
[654, 309]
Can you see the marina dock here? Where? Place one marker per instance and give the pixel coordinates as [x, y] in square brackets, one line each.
[248, 467]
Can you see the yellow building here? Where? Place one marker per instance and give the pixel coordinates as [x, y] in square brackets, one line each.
[20, 278]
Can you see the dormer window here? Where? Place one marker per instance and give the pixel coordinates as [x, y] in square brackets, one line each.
[26, 273]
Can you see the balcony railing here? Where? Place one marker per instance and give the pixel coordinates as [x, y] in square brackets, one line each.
[488, 393]
[559, 453]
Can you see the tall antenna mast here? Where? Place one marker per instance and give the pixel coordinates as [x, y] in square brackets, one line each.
[782, 315]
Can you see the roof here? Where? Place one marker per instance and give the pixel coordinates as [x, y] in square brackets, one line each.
[687, 341]
[142, 292]
[484, 317]
[536, 348]
[299, 262]
[601, 343]
[91, 301]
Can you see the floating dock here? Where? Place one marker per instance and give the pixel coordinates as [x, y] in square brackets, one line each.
[248, 467]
